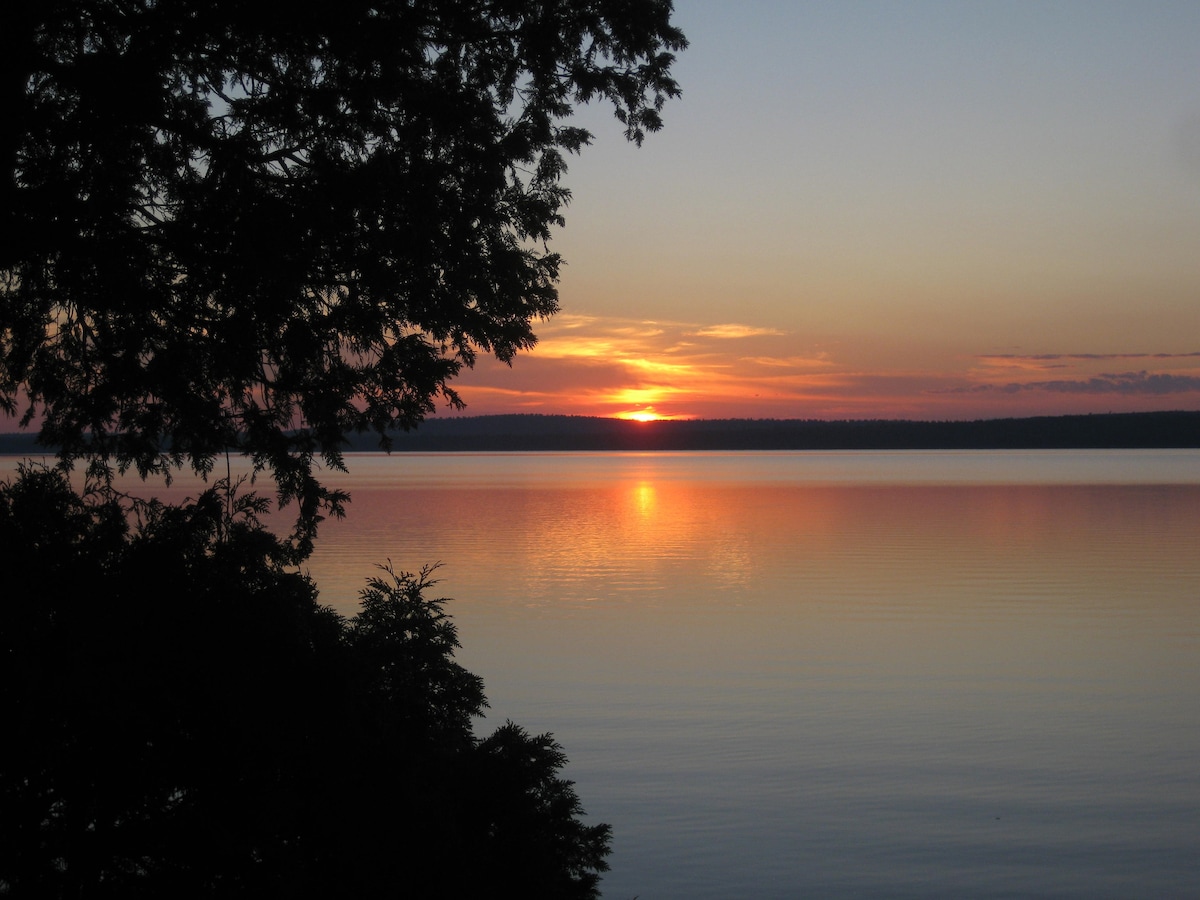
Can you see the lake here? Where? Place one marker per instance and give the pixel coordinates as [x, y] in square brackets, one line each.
[833, 675]
[836, 675]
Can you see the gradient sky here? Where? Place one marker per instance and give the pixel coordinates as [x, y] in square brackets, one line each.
[865, 209]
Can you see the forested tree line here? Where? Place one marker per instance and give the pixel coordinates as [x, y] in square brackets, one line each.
[527, 432]
[250, 228]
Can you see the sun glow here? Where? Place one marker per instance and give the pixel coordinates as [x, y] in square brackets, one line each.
[642, 415]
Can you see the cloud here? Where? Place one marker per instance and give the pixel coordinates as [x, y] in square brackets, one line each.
[657, 367]
[736, 331]
[820, 361]
[1124, 383]
[606, 365]
[1020, 360]
[597, 365]
[655, 349]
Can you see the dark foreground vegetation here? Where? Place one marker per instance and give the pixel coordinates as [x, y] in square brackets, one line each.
[246, 229]
[182, 718]
[532, 432]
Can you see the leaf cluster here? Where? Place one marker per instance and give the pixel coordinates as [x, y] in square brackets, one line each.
[183, 718]
[259, 226]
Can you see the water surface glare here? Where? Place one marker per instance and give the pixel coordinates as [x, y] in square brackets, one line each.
[832, 675]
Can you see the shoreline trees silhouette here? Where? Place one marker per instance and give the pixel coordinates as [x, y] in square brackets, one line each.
[252, 228]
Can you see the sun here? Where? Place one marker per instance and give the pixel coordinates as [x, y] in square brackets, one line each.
[642, 415]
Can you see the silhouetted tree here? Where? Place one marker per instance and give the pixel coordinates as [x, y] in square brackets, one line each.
[261, 225]
[255, 227]
[182, 718]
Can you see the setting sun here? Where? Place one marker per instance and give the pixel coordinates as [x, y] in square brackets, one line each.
[642, 415]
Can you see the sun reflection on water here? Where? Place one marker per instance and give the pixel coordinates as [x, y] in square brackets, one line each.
[645, 500]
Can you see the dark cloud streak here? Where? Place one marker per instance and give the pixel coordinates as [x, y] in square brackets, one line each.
[1125, 383]
[1043, 357]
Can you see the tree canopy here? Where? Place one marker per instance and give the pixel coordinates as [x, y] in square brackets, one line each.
[260, 226]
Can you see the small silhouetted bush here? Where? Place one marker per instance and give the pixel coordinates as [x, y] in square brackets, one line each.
[183, 719]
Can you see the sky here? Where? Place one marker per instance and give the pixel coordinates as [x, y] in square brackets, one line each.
[934, 210]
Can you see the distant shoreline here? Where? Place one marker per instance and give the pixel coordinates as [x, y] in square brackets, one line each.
[517, 433]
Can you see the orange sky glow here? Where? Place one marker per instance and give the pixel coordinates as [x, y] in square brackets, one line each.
[865, 210]
[663, 370]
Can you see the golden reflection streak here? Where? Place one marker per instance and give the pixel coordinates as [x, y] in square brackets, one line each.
[645, 499]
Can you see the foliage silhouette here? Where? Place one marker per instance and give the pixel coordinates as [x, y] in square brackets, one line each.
[255, 228]
[260, 227]
[184, 719]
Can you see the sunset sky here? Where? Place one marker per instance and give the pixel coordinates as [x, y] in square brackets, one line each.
[865, 209]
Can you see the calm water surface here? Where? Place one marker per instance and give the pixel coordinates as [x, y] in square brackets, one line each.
[832, 675]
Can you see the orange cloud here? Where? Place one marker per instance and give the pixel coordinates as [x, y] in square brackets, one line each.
[647, 369]
[735, 331]
[820, 361]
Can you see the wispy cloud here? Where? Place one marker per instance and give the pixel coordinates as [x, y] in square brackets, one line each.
[606, 365]
[818, 361]
[1043, 361]
[1090, 356]
[1160, 374]
[1127, 383]
[735, 331]
[594, 365]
